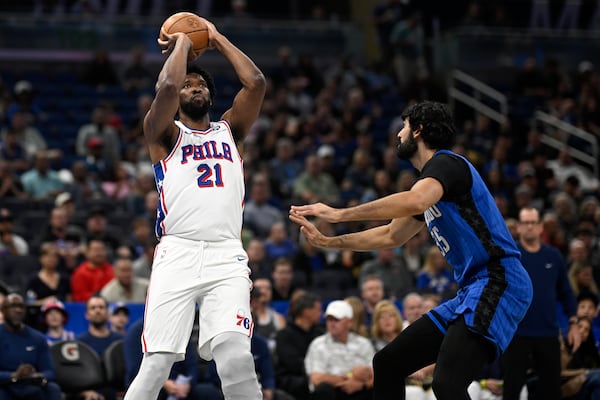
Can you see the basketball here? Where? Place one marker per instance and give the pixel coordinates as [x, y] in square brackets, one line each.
[190, 24]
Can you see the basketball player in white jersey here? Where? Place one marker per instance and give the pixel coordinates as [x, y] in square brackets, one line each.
[200, 259]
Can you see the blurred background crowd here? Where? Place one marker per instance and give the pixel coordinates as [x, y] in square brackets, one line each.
[77, 187]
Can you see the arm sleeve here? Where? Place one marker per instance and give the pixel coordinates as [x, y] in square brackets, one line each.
[452, 172]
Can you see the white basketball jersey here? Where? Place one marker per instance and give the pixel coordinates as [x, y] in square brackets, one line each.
[201, 186]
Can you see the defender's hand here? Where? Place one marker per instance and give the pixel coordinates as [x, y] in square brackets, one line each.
[319, 210]
[312, 234]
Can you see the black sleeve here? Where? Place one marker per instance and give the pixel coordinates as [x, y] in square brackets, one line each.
[452, 172]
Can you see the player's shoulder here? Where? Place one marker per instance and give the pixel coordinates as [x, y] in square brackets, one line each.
[448, 157]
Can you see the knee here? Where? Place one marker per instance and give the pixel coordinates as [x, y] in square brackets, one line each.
[386, 360]
[157, 364]
[382, 360]
[229, 367]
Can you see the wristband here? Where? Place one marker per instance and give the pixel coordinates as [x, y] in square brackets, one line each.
[483, 383]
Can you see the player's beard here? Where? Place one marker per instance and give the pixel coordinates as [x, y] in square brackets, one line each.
[194, 111]
[407, 148]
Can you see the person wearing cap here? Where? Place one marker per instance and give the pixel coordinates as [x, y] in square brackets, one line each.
[119, 318]
[25, 102]
[55, 318]
[65, 201]
[338, 363]
[10, 242]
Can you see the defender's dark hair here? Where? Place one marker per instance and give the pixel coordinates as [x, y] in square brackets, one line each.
[194, 68]
[438, 130]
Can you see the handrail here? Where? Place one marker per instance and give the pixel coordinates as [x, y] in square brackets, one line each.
[474, 100]
[562, 130]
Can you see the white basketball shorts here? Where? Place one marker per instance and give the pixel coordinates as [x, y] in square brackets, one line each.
[214, 275]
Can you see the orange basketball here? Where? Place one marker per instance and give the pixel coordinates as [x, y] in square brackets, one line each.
[190, 24]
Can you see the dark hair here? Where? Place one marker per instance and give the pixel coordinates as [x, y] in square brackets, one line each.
[588, 295]
[437, 128]
[194, 68]
[304, 301]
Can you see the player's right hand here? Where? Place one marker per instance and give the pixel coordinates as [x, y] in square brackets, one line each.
[319, 210]
[168, 45]
[312, 234]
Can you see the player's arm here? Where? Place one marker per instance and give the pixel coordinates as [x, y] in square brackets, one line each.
[248, 102]
[158, 122]
[394, 234]
[425, 193]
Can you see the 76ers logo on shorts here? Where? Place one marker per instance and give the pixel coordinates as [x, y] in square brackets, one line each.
[243, 320]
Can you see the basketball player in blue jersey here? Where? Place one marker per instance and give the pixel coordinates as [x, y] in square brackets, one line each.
[200, 260]
[450, 199]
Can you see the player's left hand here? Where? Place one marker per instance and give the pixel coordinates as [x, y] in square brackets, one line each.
[213, 34]
[319, 210]
[312, 234]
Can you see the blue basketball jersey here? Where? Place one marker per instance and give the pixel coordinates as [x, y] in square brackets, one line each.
[495, 290]
[468, 228]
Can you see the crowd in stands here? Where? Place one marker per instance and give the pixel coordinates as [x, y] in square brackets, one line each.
[78, 202]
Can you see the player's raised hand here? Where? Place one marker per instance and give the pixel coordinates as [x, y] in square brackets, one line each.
[320, 210]
[168, 45]
[213, 34]
[310, 231]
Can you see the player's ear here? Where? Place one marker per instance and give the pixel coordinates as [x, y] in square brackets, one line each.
[417, 131]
